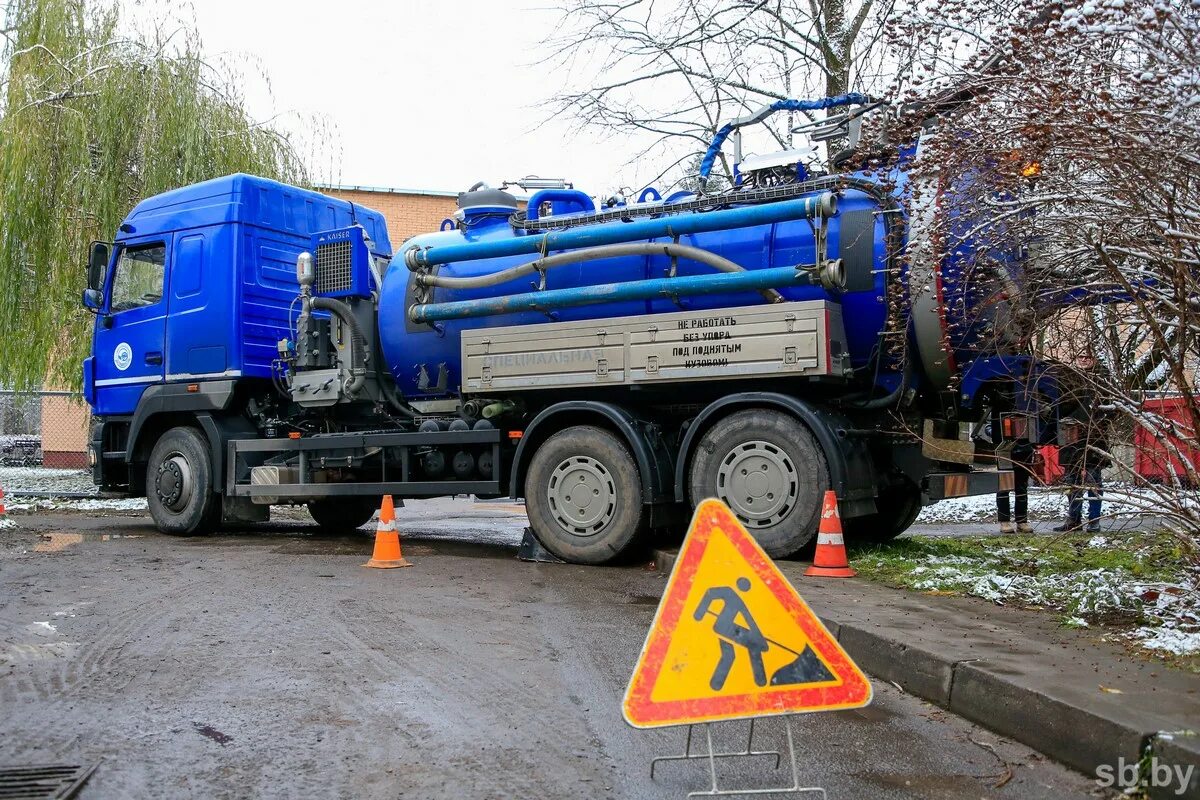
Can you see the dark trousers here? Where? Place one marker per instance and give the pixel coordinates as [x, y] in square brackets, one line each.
[1020, 493]
[1088, 480]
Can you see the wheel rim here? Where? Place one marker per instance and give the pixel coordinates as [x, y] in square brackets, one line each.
[582, 495]
[759, 482]
[174, 483]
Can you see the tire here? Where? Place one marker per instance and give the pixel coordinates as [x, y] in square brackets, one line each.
[342, 515]
[612, 520]
[898, 509]
[179, 484]
[770, 471]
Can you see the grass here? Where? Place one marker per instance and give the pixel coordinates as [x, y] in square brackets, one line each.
[1146, 556]
[1142, 583]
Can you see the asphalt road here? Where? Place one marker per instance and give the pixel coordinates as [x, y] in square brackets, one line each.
[269, 663]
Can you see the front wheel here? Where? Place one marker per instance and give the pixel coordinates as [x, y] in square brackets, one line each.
[342, 514]
[770, 470]
[179, 484]
[583, 496]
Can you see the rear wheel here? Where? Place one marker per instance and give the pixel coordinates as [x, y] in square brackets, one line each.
[583, 495]
[342, 514]
[898, 509]
[770, 471]
[179, 484]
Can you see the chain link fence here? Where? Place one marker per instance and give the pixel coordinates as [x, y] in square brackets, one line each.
[43, 442]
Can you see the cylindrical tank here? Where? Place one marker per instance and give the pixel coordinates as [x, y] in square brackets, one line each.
[858, 233]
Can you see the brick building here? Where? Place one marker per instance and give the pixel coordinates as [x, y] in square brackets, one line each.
[407, 211]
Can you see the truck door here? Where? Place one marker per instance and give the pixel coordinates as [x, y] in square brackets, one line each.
[129, 335]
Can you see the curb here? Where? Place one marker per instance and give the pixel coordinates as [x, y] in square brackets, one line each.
[1057, 719]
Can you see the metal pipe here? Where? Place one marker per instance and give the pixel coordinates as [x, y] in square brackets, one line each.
[821, 206]
[669, 249]
[750, 280]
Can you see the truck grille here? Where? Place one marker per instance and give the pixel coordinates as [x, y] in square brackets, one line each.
[333, 267]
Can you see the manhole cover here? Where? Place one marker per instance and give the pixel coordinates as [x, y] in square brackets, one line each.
[42, 781]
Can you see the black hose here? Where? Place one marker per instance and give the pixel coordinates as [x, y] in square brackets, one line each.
[358, 341]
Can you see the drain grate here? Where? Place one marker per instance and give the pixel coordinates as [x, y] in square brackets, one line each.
[42, 781]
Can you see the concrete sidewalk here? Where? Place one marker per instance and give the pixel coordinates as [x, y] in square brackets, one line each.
[1016, 672]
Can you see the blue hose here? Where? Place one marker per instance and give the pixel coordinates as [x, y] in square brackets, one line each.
[714, 149]
[822, 205]
[683, 286]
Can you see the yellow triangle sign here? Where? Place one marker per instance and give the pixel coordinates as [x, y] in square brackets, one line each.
[733, 639]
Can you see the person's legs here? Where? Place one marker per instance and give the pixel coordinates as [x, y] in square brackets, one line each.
[1074, 502]
[1021, 494]
[1002, 510]
[1095, 497]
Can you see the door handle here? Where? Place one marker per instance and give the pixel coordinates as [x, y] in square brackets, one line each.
[154, 358]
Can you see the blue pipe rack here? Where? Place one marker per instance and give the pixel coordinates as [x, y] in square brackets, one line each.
[822, 205]
[773, 278]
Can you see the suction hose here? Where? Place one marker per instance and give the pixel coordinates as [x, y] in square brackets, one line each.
[358, 369]
[670, 249]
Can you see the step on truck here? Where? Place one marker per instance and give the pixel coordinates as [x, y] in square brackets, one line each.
[258, 344]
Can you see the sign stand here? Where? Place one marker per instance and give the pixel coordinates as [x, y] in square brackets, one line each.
[688, 755]
[712, 756]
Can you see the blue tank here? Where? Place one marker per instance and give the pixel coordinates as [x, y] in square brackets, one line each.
[412, 348]
[487, 241]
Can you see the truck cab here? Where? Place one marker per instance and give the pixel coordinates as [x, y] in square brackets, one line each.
[190, 303]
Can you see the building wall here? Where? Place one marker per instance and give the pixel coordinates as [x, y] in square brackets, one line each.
[407, 213]
[65, 422]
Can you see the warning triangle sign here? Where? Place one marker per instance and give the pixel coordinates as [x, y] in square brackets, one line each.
[733, 639]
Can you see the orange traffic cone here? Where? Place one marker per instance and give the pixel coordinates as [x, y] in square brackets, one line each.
[830, 559]
[387, 541]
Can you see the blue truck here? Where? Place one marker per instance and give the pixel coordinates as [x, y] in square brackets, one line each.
[257, 344]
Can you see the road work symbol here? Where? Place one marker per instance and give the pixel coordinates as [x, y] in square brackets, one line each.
[807, 668]
[732, 639]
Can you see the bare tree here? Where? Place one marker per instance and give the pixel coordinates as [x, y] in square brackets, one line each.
[1084, 121]
[677, 70]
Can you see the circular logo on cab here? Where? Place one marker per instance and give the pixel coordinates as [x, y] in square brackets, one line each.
[123, 356]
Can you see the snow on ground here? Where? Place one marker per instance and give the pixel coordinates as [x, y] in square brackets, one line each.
[1170, 610]
[45, 480]
[85, 504]
[1044, 504]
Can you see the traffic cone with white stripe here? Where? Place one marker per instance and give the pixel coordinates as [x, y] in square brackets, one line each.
[830, 559]
[387, 540]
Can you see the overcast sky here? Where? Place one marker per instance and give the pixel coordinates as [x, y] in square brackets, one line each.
[423, 94]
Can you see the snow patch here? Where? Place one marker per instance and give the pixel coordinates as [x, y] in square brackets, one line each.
[85, 504]
[1170, 640]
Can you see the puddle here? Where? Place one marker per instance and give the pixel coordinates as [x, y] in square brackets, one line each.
[57, 542]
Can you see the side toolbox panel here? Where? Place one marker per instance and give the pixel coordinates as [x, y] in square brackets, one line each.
[785, 339]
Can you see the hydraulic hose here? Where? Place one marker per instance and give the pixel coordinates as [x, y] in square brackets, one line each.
[670, 249]
[358, 369]
[551, 299]
[821, 206]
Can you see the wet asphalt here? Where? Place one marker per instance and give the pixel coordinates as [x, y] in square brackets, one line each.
[268, 663]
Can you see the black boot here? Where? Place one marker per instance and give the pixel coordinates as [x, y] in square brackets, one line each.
[1068, 526]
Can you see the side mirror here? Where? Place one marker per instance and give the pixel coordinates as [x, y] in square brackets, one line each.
[92, 300]
[97, 263]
